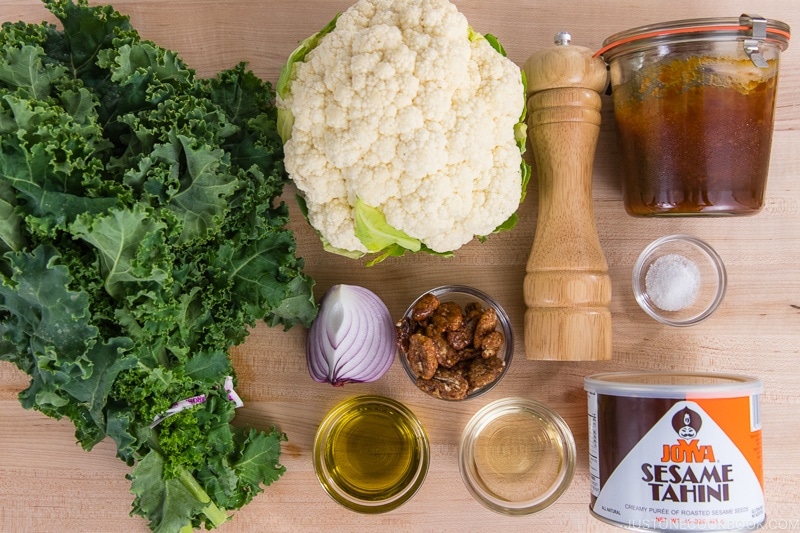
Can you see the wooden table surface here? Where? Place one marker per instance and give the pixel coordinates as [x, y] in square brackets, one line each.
[48, 483]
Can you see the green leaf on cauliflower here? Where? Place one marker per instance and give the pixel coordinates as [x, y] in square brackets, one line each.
[377, 234]
[495, 42]
[520, 130]
[300, 53]
[380, 237]
[521, 136]
[285, 118]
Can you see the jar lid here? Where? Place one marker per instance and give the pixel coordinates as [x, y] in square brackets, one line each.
[751, 29]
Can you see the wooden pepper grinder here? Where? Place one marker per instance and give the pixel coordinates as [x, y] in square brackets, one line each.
[567, 288]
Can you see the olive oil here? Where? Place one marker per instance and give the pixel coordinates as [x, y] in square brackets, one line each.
[371, 453]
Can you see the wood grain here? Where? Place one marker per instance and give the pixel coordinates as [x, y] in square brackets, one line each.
[47, 483]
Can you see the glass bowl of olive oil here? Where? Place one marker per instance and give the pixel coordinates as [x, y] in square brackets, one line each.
[371, 454]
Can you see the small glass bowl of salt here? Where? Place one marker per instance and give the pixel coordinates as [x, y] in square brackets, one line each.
[679, 280]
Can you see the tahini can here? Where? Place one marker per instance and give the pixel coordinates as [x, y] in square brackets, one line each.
[676, 451]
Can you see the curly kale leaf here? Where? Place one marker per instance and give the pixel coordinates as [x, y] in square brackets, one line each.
[120, 237]
[42, 313]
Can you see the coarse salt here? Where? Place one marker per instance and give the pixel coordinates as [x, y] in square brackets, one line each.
[672, 282]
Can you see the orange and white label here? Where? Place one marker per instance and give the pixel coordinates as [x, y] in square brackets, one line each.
[698, 468]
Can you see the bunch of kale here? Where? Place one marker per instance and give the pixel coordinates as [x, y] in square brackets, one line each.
[140, 238]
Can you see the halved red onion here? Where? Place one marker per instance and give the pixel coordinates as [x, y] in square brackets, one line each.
[353, 338]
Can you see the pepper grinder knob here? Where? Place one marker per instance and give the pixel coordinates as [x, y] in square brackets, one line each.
[567, 289]
[562, 38]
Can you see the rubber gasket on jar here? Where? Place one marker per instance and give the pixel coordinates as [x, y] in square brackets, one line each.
[694, 30]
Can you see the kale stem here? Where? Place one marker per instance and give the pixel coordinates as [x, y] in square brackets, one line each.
[212, 512]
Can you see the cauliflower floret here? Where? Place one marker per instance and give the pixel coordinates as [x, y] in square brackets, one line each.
[397, 107]
[334, 215]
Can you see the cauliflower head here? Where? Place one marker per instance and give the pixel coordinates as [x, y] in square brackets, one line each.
[403, 129]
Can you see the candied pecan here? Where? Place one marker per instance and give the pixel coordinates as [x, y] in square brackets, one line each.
[469, 353]
[486, 324]
[404, 329]
[462, 367]
[459, 339]
[446, 384]
[491, 344]
[445, 354]
[428, 329]
[448, 317]
[421, 355]
[463, 336]
[424, 308]
[473, 309]
[484, 371]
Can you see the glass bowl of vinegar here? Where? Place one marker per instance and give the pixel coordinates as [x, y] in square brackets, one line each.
[371, 454]
[516, 456]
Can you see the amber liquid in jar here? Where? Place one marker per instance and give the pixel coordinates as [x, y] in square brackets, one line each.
[695, 137]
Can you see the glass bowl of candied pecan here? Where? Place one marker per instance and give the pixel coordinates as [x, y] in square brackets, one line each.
[455, 342]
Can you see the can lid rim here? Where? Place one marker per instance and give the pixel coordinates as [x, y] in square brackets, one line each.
[646, 385]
